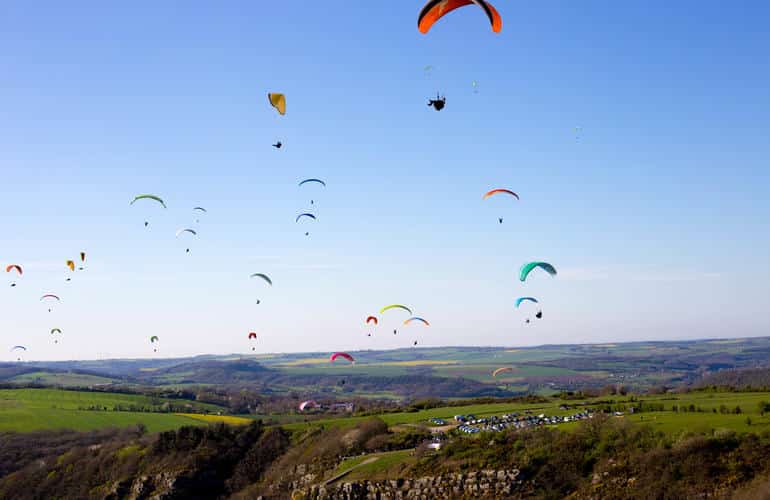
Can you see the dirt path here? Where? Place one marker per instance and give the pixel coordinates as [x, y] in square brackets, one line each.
[343, 474]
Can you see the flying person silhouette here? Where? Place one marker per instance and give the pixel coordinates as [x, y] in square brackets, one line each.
[278, 145]
[438, 103]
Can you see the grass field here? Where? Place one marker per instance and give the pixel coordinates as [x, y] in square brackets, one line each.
[375, 466]
[60, 379]
[25, 410]
[670, 421]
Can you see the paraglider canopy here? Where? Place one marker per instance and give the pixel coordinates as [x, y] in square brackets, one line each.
[395, 306]
[341, 355]
[252, 335]
[14, 267]
[305, 404]
[529, 267]
[436, 9]
[71, 265]
[415, 318]
[501, 370]
[305, 215]
[264, 277]
[372, 319]
[498, 191]
[318, 181]
[524, 299]
[148, 197]
[154, 339]
[186, 230]
[278, 101]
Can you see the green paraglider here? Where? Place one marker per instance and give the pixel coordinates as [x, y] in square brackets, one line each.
[529, 267]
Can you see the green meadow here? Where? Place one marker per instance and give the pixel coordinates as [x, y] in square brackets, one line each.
[25, 410]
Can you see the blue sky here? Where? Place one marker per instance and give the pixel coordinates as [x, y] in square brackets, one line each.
[655, 210]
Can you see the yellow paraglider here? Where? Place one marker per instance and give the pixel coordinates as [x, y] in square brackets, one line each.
[278, 101]
[71, 265]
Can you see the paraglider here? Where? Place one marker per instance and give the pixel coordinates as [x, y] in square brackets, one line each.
[186, 230]
[14, 267]
[539, 315]
[82, 259]
[525, 299]
[499, 191]
[252, 337]
[48, 297]
[438, 103]
[148, 197]
[199, 210]
[501, 370]
[308, 215]
[18, 348]
[71, 265]
[415, 318]
[55, 331]
[305, 215]
[278, 145]
[529, 267]
[264, 277]
[436, 9]
[341, 355]
[153, 341]
[303, 405]
[278, 101]
[372, 319]
[396, 306]
[318, 181]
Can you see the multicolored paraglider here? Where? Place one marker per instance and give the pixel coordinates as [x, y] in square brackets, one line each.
[529, 267]
[436, 9]
[343, 355]
[415, 318]
[494, 192]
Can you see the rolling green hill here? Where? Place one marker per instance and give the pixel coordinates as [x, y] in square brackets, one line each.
[24, 410]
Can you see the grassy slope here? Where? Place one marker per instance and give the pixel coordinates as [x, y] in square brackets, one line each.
[24, 410]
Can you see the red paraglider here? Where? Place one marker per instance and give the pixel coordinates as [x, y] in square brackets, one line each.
[341, 355]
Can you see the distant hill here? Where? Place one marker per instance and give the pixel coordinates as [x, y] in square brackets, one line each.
[385, 374]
